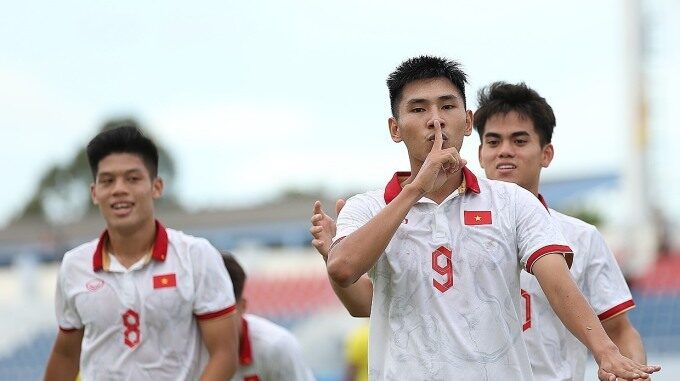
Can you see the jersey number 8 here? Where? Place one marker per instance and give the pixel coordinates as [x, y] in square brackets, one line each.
[131, 334]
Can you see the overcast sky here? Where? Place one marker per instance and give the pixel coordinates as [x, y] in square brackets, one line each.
[254, 97]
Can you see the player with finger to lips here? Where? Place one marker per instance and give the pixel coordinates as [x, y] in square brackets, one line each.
[443, 251]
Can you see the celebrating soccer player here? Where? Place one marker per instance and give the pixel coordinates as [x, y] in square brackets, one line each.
[444, 249]
[142, 302]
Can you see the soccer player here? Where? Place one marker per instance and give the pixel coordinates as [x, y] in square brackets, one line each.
[443, 250]
[142, 302]
[515, 126]
[267, 351]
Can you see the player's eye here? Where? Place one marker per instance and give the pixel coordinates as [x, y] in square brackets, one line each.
[417, 109]
[448, 107]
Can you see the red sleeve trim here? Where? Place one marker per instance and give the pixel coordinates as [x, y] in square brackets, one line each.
[336, 242]
[212, 315]
[621, 308]
[68, 330]
[550, 249]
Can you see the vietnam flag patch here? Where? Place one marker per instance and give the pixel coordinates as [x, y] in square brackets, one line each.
[477, 217]
[165, 280]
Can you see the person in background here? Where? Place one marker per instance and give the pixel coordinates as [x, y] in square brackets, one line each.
[267, 352]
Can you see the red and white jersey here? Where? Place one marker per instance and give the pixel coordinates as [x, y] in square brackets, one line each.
[446, 303]
[554, 352]
[140, 322]
[269, 352]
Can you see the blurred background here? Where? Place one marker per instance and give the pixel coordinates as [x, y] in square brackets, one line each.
[260, 108]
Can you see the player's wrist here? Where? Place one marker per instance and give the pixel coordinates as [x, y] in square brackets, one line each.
[414, 191]
[607, 349]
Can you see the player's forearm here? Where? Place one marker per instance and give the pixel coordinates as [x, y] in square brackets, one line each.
[570, 306]
[220, 367]
[354, 255]
[356, 298]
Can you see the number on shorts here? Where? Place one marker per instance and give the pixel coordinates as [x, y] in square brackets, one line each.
[442, 254]
[131, 333]
[527, 310]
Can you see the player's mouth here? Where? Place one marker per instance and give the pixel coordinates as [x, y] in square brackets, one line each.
[431, 137]
[505, 167]
[122, 209]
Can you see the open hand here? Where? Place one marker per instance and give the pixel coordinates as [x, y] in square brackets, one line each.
[323, 228]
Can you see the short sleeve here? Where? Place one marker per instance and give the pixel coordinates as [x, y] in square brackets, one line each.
[288, 362]
[68, 318]
[606, 289]
[214, 290]
[355, 214]
[537, 233]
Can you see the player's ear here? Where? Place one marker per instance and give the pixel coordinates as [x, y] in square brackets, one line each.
[394, 129]
[479, 156]
[157, 185]
[93, 194]
[242, 304]
[469, 117]
[547, 155]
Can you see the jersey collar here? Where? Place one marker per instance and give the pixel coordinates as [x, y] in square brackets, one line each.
[159, 252]
[245, 349]
[393, 188]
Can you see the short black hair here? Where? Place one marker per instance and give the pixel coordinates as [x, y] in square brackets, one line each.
[502, 98]
[236, 273]
[423, 67]
[125, 138]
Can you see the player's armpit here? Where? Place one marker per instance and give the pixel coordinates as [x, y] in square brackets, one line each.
[64, 360]
[220, 336]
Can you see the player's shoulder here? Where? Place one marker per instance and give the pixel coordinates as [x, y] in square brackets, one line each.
[573, 225]
[187, 243]
[503, 192]
[491, 188]
[375, 195]
[266, 331]
[80, 253]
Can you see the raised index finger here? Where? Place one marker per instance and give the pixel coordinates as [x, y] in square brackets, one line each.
[438, 138]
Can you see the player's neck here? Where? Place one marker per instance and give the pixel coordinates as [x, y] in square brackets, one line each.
[130, 245]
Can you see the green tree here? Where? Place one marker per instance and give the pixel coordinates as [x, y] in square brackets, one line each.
[63, 192]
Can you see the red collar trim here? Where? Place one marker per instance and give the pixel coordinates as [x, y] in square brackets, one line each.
[245, 349]
[542, 200]
[159, 251]
[393, 188]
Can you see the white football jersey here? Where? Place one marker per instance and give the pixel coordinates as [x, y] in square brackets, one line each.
[554, 352]
[269, 352]
[446, 302]
[140, 322]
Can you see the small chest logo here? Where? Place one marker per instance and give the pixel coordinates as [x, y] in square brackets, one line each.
[164, 281]
[94, 285]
